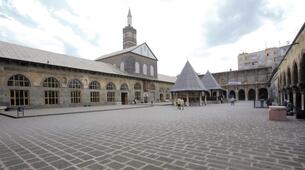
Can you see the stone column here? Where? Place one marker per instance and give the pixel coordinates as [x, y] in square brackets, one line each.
[246, 94]
[227, 94]
[256, 93]
[217, 94]
[294, 98]
[200, 98]
[205, 99]
[236, 95]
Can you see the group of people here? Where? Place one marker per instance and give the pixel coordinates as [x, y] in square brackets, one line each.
[180, 104]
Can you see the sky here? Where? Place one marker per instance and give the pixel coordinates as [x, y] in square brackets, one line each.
[208, 34]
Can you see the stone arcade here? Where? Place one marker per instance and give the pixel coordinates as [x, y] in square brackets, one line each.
[288, 80]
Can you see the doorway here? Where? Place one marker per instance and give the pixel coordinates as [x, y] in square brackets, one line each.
[124, 98]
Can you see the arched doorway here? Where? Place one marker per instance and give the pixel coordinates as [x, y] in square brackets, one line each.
[161, 97]
[251, 94]
[241, 94]
[263, 93]
[232, 94]
[124, 93]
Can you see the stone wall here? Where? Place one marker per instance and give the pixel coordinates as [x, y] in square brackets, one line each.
[37, 74]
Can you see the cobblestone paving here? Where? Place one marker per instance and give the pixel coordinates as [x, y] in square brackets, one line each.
[210, 137]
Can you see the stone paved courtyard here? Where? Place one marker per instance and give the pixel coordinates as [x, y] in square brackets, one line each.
[210, 137]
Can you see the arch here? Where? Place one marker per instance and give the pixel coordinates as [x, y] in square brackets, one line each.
[152, 70]
[288, 83]
[75, 84]
[19, 80]
[145, 69]
[251, 94]
[94, 85]
[284, 80]
[137, 86]
[122, 66]
[19, 97]
[51, 82]
[214, 93]
[161, 90]
[295, 74]
[262, 93]
[232, 94]
[241, 95]
[110, 86]
[137, 67]
[152, 86]
[208, 94]
[124, 87]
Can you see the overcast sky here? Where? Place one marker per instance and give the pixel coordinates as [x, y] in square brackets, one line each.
[210, 34]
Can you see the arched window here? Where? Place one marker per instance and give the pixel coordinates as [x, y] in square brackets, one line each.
[94, 85]
[51, 82]
[75, 94]
[75, 84]
[152, 71]
[51, 96]
[137, 86]
[152, 86]
[19, 97]
[19, 80]
[124, 87]
[110, 86]
[145, 69]
[137, 67]
[111, 92]
[122, 66]
[94, 95]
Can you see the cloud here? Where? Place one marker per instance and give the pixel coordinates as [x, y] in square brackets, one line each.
[9, 11]
[236, 18]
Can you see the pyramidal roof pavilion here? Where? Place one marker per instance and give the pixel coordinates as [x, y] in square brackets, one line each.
[188, 80]
[209, 82]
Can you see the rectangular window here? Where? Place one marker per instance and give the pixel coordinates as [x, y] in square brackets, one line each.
[19, 97]
[75, 96]
[95, 96]
[137, 95]
[110, 96]
[51, 97]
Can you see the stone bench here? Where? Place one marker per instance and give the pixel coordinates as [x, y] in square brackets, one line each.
[2, 109]
[277, 113]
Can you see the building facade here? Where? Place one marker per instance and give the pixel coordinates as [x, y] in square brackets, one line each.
[288, 80]
[244, 85]
[270, 57]
[36, 78]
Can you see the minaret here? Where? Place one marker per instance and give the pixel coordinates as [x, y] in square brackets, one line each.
[129, 33]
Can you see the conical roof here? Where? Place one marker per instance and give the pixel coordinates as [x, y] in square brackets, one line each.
[209, 81]
[188, 80]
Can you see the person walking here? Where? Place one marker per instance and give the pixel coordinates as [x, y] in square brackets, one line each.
[232, 100]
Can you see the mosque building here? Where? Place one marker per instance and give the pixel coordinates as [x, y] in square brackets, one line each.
[36, 78]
